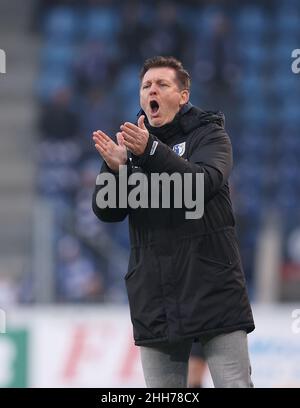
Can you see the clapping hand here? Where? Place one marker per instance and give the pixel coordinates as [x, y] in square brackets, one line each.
[114, 154]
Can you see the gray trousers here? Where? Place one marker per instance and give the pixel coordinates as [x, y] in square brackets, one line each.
[166, 365]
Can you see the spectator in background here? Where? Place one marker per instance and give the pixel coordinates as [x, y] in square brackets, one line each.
[134, 31]
[84, 219]
[95, 67]
[215, 52]
[58, 120]
[97, 108]
[216, 63]
[78, 279]
[166, 36]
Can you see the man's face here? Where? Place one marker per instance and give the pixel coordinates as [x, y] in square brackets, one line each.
[160, 96]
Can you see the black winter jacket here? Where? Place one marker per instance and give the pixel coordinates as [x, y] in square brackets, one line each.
[184, 277]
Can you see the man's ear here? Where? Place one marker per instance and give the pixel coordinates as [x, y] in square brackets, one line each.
[185, 96]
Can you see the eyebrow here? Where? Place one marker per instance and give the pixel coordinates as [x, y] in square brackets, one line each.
[157, 80]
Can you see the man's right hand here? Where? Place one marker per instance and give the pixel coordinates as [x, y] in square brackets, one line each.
[113, 154]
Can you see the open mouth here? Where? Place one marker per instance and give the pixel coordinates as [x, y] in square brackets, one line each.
[154, 106]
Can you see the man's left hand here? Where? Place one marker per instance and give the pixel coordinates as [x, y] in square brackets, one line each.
[135, 137]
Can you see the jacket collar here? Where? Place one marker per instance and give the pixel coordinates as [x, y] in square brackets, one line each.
[190, 117]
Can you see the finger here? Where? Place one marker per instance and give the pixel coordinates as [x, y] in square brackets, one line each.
[99, 138]
[102, 147]
[103, 135]
[130, 132]
[120, 139]
[130, 126]
[128, 137]
[105, 155]
[141, 123]
[129, 146]
[100, 142]
[100, 150]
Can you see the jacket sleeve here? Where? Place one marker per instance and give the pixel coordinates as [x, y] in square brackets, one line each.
[109, 214]
[211, 155]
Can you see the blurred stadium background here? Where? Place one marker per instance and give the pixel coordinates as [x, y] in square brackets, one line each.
[72, 67]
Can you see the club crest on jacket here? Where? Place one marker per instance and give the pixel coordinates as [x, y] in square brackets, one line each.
[179, 148]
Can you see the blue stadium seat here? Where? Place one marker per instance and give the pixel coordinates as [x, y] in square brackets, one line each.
[287, 181]
[251, 86]
[101, 23]
[127, 92]
[252, 144]
[204, 19]
[249, 171]
[192, 15]
[249, 38]
[130, 109]
[251, 201]
[252, 19]
[288, 169]
[251, 90]
[127, 83]
[253, 53]
[285, 84]
[49, 82]
[291, 113]
[289, 142]
[288, 19]
[57, 56]
[61, 24]
[287, 198]
[254, 113]
[283, 48]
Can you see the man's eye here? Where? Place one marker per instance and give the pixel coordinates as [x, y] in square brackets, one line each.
[146, 86]
[164, 84]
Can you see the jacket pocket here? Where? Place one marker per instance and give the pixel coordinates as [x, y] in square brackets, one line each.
[144, 289]
[219, 265]
[218, 248]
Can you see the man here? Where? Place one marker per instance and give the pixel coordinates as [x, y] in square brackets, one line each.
[185, 281]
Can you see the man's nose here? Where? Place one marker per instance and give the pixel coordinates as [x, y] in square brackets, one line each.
[153, 89]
